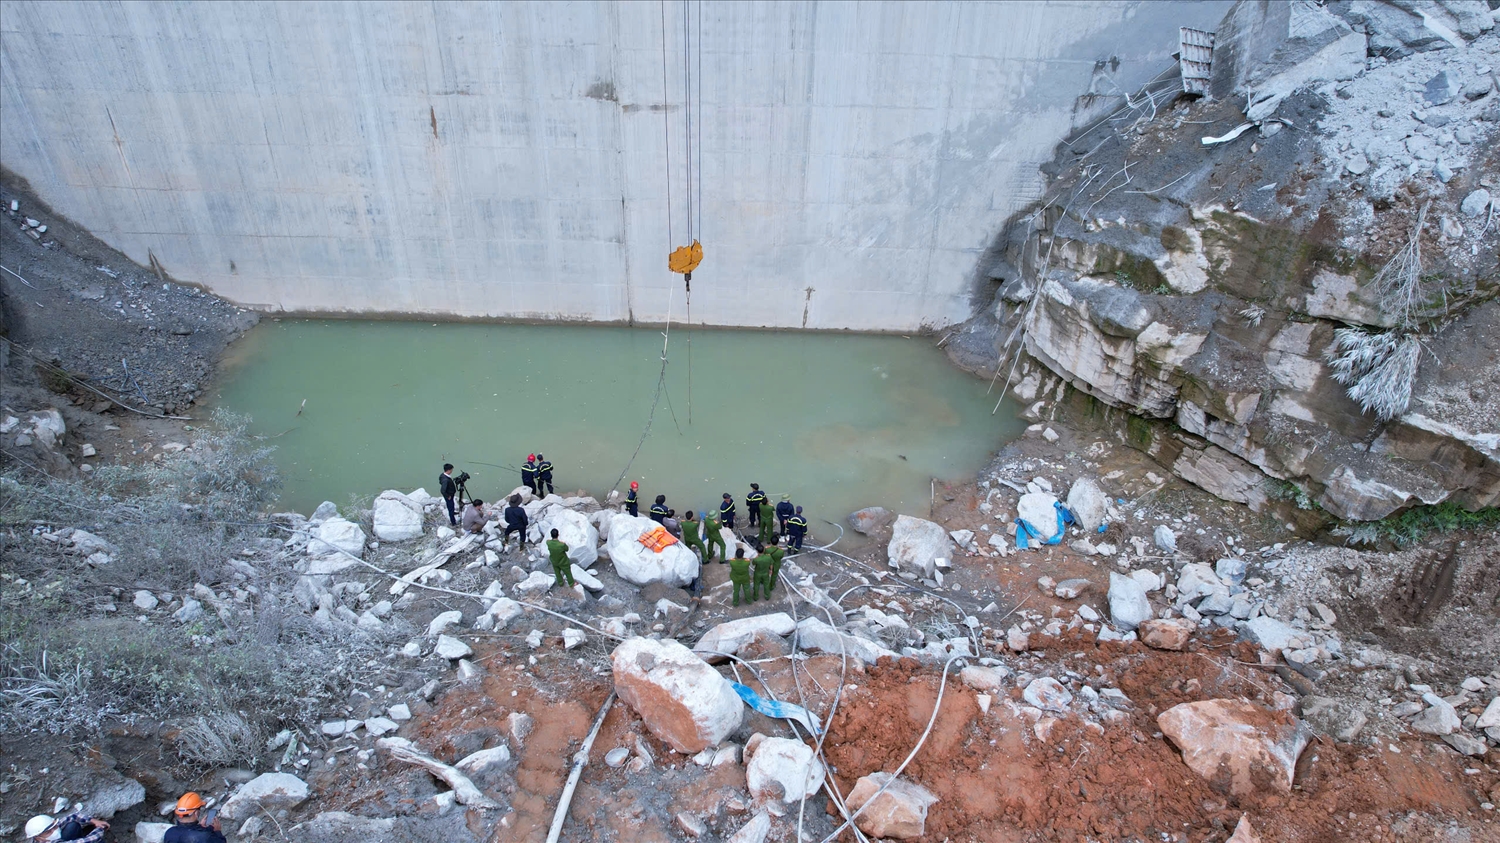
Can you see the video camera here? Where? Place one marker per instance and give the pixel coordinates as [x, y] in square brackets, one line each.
[462, 478]
[460, 482]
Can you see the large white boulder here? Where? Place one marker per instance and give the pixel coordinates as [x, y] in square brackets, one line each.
[783, 770]
[681, 699]
[1036, 509]
[337, 534]
[398, 518]
[730, 636]
[916, 545]
[1236, 742]
[572, 528]
[814, 634]
[1128, 603]
[1088, 504]
[675, 565]
[271, 791]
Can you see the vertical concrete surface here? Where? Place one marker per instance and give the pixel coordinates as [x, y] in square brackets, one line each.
[850, 161]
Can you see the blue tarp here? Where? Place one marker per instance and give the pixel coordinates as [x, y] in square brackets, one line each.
[778, 709]
[1026, 531]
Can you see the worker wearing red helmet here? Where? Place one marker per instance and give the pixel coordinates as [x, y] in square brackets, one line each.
[528, 474]
[632, 501]
[190, 827]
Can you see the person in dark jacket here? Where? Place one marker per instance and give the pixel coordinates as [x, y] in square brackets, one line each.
[659, 509]
[190, 827]
[784, 511]
[528, 473]
[449, 489]
[752, 504]
[796, 530]
[726, 511]
[543, 475]
[632, 499]
[515, 522]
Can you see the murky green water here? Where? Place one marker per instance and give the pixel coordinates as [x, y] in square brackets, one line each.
[838, 421]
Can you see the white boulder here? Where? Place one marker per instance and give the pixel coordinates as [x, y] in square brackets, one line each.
[268, 791]
[916, 545]
[730, 636]
[1088, 504]
[634, 563]
[1038, 510]
[337, 534]
[814, 634]
[440, 624]
[1128, 603]
[397, 517]
[574, 529]
[783, 770]
[898, 813]
[450, 648]
[681, 699]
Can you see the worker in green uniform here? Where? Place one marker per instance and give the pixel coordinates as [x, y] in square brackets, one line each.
[767, 517]
[557, 551]
[764, 563]
[776, 552]
[692, 537]
[713, 538]
[739, 574]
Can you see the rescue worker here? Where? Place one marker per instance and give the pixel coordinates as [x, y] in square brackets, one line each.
[796, 529]
[783, 512]
[767, 521]
[752, 504]
[528, 473]
[543, 475]
[713, 538]
[726, 511]
[190, 827]
[692, 537]
[516, 521]
[632, 502]
[739, 574]
[79, 828]
[448, 489]
[557, 553]
[659, 509]
[776, 552]
[764, 563]
[474, 517]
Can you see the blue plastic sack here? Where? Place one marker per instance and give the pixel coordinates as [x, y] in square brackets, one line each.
[778, 709]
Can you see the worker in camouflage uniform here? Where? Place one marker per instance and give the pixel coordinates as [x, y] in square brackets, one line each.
[713, 538]
[557, 552]
[767, 518]
[739, 574]
[692, 537]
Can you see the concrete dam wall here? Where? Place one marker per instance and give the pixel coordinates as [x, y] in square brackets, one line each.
[850, 161]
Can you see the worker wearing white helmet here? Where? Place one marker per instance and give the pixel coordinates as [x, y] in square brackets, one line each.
[76, 828]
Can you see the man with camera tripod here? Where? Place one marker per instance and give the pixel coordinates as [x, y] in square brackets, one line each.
[449, 490]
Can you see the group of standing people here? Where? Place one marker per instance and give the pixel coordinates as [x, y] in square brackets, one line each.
[752, 578]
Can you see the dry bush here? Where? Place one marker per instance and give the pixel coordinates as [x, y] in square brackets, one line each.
[218, 740]
[1378, 369]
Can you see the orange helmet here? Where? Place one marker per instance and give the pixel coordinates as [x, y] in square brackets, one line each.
[189, 803]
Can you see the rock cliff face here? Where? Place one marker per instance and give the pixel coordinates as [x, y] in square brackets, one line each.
[1200, 283]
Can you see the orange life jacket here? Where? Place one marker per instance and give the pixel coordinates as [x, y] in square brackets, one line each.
[658, 539]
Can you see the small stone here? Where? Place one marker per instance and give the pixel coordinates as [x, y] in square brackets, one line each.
[520, 724]
[145, 600]
[534, 639]
[1476, 203]
[1467, 744]
[1087, 613]
[617, 757]
[1357, 164]
[412, 650]
[400, 712]
[1017, 639]
[468, 671]
[333, 728]
[691, 825]
[451, 648]
[1071, 589]
[1048, 694]
[377, 726]
[572, 638]
[1439, 719]
[1166, 634]
[87, 450]
[1441, 89]
[1050, 435]
[1166, 540]
[442, 622]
